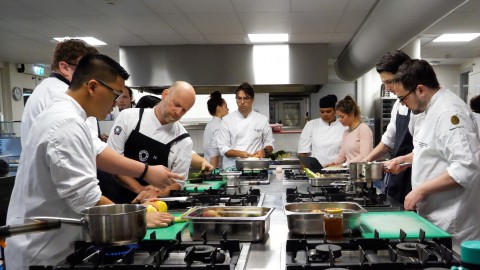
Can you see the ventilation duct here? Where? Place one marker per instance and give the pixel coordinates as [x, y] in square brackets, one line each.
[390, 25]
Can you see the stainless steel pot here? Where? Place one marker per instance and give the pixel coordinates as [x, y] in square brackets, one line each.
[232, 178]
[368, 171]
[115, 224]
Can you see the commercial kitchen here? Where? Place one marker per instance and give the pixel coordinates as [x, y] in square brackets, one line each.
[272, 211]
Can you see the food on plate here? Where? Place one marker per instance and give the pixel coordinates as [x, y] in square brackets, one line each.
[316, 211]
[210, 213]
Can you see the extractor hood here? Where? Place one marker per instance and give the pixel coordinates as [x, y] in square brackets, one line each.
[224, 67]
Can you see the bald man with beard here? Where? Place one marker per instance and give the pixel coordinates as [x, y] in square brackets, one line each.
[154, 136]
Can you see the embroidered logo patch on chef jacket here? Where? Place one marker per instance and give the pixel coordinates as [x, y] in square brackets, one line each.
[143, 155]
[117, 130]
[455, 120]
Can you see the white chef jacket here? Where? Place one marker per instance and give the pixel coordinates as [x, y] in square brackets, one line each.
[448, 141]
[210, 144]
[56, 177]
[42, 97]
[246, 134]
[321, 140]
[180, 156]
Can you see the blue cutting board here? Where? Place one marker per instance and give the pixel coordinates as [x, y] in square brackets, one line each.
[388, 225]
[167, 233]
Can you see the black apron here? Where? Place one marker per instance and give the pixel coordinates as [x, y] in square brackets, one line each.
[144, 149]
[399, 185]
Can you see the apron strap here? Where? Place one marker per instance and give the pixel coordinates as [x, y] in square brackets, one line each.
[137, 128]
[60, 77]
[179, 138]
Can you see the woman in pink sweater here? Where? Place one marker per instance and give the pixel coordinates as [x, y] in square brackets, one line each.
[358, 139]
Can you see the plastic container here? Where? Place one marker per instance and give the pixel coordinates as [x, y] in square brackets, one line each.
[470, 256]
[333, 223]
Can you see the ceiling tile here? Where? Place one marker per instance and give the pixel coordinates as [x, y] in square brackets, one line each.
[119, 7]
[16, 9]
[61, 7]
[311, 38]
[204, 6]
[350, 21]
[261, 6]
[319, 22]
[161, 6]
[180, 24]
[356, 5]
[163, 39]
[94, 25]
[225, 23]
[144, 25]
[318, 5]
[226, 39]
[261, 23]
[195, 39]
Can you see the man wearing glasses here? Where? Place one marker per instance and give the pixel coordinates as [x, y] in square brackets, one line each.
[244, 133]
[57, 172]
[66, 56]
[446, 165]
[397, 137]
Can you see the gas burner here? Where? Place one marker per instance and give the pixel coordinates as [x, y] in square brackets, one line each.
[409, 249]
[356, 253]
[204, 253]
[324, 252]
[295, 174]
[254, 177]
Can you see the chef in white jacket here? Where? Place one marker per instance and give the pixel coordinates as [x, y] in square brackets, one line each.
[244, 133]
[445, 169]
[217, 107]
[322, 138]
[57, 174]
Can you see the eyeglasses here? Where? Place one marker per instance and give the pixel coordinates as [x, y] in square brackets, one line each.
[403, 98]
[241, 99]
[117, 93]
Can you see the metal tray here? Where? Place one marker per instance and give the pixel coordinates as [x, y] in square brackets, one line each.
[301, 219]
[327, 179]
[252, 164]
[245, 223]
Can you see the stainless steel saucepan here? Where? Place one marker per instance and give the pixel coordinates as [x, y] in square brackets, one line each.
[115, 224]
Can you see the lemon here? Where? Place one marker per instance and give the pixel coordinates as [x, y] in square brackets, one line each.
[151, 208]
[161, 206]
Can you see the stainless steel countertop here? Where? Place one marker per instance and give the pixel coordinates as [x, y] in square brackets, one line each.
[270, 253]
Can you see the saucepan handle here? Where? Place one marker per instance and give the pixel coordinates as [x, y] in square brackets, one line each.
[71, 221]
[11, 230]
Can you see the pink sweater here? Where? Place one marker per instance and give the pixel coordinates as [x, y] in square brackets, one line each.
[356, 145]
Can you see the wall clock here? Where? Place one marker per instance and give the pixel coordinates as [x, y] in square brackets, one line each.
[17, 93]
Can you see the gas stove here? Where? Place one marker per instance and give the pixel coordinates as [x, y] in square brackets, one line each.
[365, 197]
[240, 196]
[370, 254]
[157, 254]
[255, 177]
[295, 174]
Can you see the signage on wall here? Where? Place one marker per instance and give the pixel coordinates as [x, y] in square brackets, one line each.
[38, 70]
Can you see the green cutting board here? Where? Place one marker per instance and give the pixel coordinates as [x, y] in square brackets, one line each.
[190, 187]
[388, 225]
[168, 233]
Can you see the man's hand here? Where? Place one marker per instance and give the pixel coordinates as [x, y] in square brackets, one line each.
[207, 167]
[159, 219]
[394, 166]
[415, 196]
[151, 192]
[244, 154]
[259, 154]
[161, 176]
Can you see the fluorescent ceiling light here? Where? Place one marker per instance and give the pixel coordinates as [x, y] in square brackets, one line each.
[89, 40]
[267, 38]
[456, 37]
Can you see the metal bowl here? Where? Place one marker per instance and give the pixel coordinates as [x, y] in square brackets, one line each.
[252, 164]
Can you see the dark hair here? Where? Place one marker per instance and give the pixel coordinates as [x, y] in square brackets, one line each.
[328, 101]
[69, 51]
[97, 66]
[348, 106]
[391, 61]
[414, 72]
[147, 102]
[214, 101]
[247, 88]
[475, 104]
[130, 93]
